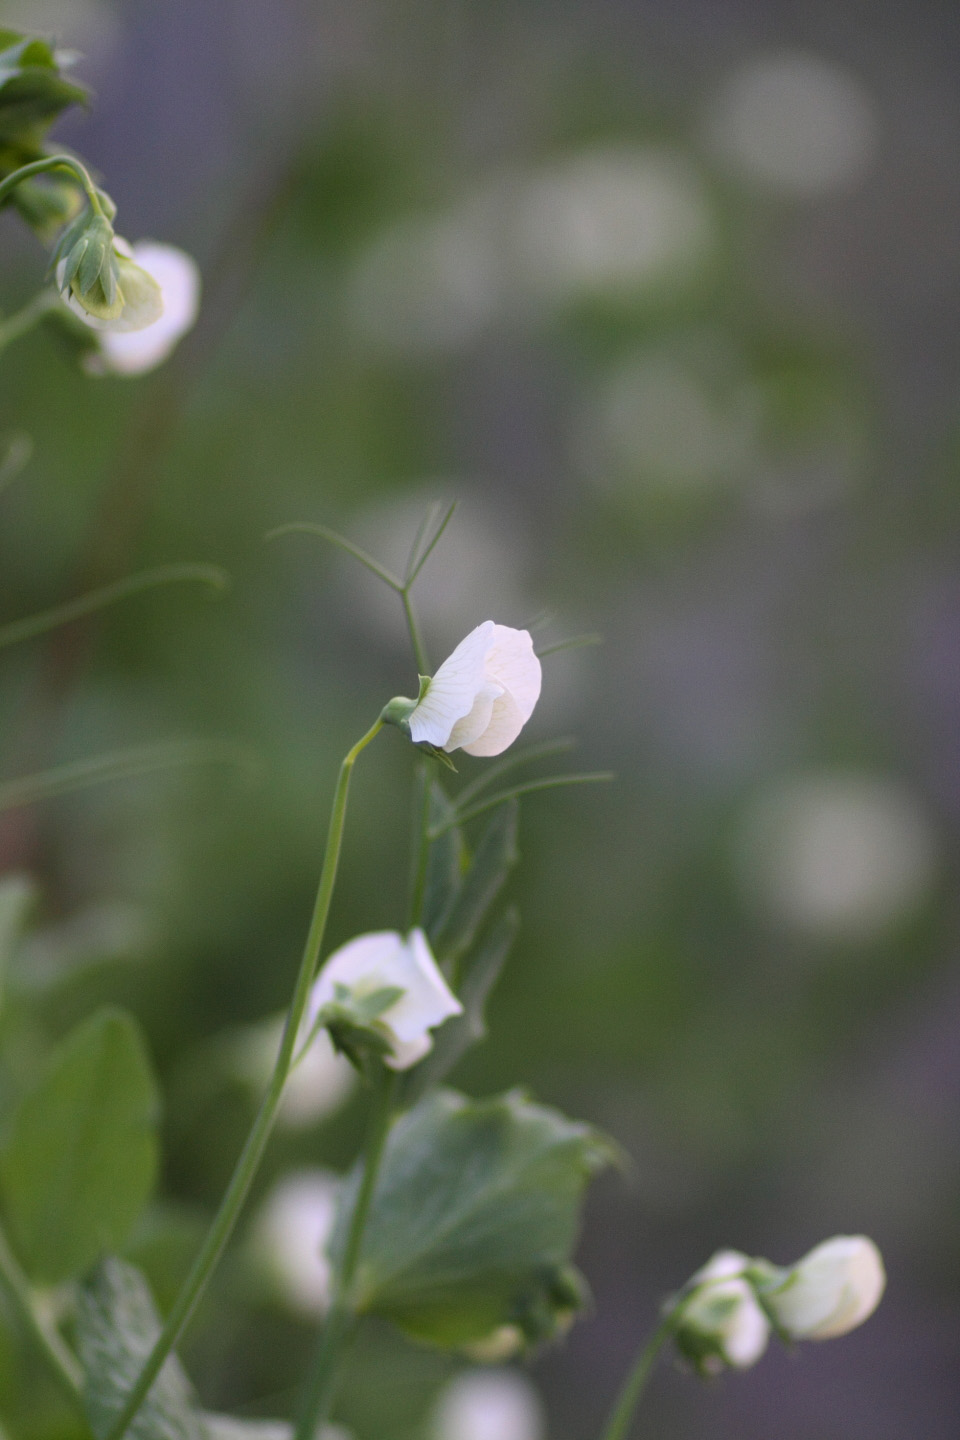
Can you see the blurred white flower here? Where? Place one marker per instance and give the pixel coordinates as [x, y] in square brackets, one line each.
[795, 121]
[831, 1290]
[611, 218]
[119, 295]
[178, 277]
[482, 695]
[837, 855]
[291, 1235]
[723, 1322]
[489, 1405]
[385, 960]
[317, 1085]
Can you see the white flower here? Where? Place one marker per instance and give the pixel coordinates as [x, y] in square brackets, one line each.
[489, 1405]
[385, 960]
[134, 302]
[831, 1290]
[723, 1319]
[292, 1232]
[123, 352]
[482, 695]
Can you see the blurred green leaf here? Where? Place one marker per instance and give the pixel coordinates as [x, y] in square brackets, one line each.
[229, 1427]
[455, 1037]
[474, 1218]
[446, 859]
[117, 1324]
[81, 1158]
[495, 856]
[17, 895]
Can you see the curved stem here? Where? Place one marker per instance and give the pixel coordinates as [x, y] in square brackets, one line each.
[246, 1168]
[321, 1389]
[63, 1364]
[24, 320]
[54, 162]
[26, 629]
[633, 1387]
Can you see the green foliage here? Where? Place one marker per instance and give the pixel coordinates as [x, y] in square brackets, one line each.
[470, 900]
[81, 1157]
[116, 1326]
[33, 92]
[17, 895]
[474, 1219]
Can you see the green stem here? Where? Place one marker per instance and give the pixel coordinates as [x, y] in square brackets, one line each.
[232, 1202]
[321, 1388]
[633, 1387]
[45, 1336]
[23, 321]
[416, 639]
[54, 162]
[33, 625]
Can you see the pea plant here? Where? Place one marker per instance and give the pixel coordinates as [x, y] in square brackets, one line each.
[459, 1220]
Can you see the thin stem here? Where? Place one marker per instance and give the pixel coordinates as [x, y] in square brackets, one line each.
[322, 1385]
[62, 1362]
[524, 756]
[307, 527]
[24, 320]
[553, 782]
[236, 1193]
[38, 624]
[575, 642]
[416, 639]
[120, 765]
[416, 565]
[633, 1387]
[54, 162]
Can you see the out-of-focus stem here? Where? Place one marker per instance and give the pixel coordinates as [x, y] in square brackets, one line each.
[62, 1362]
[232, 1202]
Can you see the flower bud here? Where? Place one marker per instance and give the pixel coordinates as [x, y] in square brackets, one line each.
[830, 1291]
[721, 1321]
[99, 280]
[382, 994]
[144, 348]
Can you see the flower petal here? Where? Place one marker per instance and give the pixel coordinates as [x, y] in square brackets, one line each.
[472, 726]
[512, 663]
[176, 272]
[427, 1000]
[368, 957]
[453, 689]
[506, 722]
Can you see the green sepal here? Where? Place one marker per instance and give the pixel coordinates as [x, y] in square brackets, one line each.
[474, 1218]
[354, 1027]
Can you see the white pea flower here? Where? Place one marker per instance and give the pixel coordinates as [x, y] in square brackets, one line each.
[104, 284]
[125, 352]
[489, 1405]
[831, 1290]
[482, 695]
[291, 1235]
[384, 960]
[723, 1322]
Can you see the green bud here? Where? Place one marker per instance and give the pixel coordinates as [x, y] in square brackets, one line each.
[398, 710]
[98, 278]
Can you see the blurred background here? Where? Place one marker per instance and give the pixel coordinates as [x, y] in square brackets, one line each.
[666, 295]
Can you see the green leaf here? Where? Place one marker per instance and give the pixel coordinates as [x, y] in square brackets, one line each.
[455, 1037]
[81, 1157]
[474, 1219]
[117, 1324]
[17, 896]
[446, 860]
[495, 857]
[229, 1427]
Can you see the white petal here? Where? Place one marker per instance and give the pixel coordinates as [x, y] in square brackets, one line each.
[832, 1289]
[472, 726]
[407, 1052]
[179, 279]
[453, 689]
[512, 663]
[428, 1000]
[365, 959]
[506, 722]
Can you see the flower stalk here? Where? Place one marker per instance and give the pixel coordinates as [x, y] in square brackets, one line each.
[248, 1164]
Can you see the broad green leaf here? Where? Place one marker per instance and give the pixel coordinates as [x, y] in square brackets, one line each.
[454, 1038]
[445, 860]
[117, 1324]
[82, 1152]
[474, 1219]
[495, 857]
